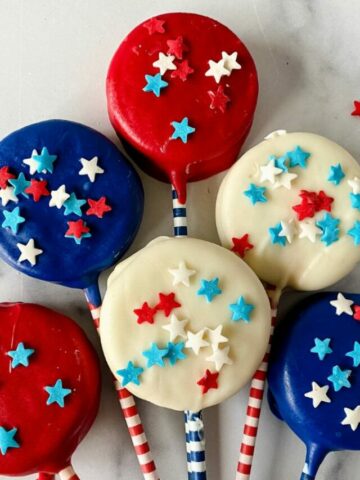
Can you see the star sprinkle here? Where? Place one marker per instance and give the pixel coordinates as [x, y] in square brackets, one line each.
[208, 381]
[330, 236]
[256, 194]
[37, 189]
[322, 347]
[167, 303]
[284, 180]
[356, 312]
[181, 275]
[352, 418]
[355, 354]
[12, 219]
[336, 174]
[20, 356]
[309, 230]
[58, 197]
[342, 305]
[354, 199]
[154, 84]
[155, 356]
[73, 205]
[280, 162]
[7, 440]
[44, 161]
[209, 288]
[28, 252]
[328, 221]
[230, 62]
[165, 63]
[90, 168]
[353, 232]
[356, 111]
[182, 130]
[177, 47]
[130, 374]
[218, 99]
[275, 235]
[20, 184]
[215, 336]
[175, 352]
[57, 393]
[318, 394]
[32, 163]
[298, 157]
[354, 184]
[312, 202]
[154, 25]
[77, 229]
[241, 245]
[241, 310]
[145, 314]
[339, 378]
[220, 357]
[7, 195]
[195, 341]
[98, 207]
[176, 327]
[217, 70]
[5, 176]
[269, 172]
[182, 71]
[288, 230]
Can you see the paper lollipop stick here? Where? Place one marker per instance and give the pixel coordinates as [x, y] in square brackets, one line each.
[68, 474]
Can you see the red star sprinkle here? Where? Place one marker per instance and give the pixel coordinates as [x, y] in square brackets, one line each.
[218, 99]
[154, 25]
[324, 202]
[209, 380]
[77, 229]
[356, 312]
[167, 303]
[182, 71]
[37, 189]
[356, 111]
[5, 175]
[176, 47]
[312, 202]
[98, 207]
[145, 313]
[241, 245]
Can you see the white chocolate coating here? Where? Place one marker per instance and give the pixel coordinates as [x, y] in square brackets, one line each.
[301, 264]
[140, 278]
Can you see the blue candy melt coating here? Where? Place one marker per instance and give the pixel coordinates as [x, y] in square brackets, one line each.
[62, 260]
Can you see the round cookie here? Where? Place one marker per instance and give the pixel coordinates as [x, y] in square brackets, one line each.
[314, 380]
[50, 389]
[63, 187]
[182, 91]
[290, 207]
[184, 324]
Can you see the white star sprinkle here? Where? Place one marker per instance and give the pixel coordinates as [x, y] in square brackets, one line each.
[215, 337]
[165, 63]
[309, 230]
[28, 252]
[288, 230]
[230, 62]
[355, 185]
[31, 163]
[176, 327]
[342, 305]
[7, 195]
[181, 274]
[284, 180]
[196, 341]
[318, 394]
[220, 357]
[352, 418]
[90, 168]
[217, 70]
[58, 197]
[269, 172]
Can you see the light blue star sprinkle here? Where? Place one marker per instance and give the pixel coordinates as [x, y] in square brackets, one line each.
[78, 240]
[330, 236]
[241, 310]
[45, 161]
[280, 162]
[73, 205]
[12, 219]
[209, 288]
[20, 184]
[154, 84]
[130, 374]
[328, 222]
[298, 157]
[7, 439]
[355, 232]
[322, 347]
[175, 352]
[354, 198]
[155, 356]
[57, 393]
[20, 356]
[275, 235]
[336, 174]
[256, 194]
[339, 378]
[182, 130]
[355, 354]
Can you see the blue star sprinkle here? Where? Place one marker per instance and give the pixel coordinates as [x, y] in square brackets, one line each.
[355, 232]
[155, 356]
[20, 184]
[12, 219]
[355, 354]
[57, 393]
[336, 174]
[73, 205]
[339, 378]
[209, 288]
[7, 439]
[20, 356]
[275, 235]
[78, 240]
[322, 347]
[330, 236]
[354, 198]
[328, 222]
[44, 161]
[298, 157]
[154, 84]
[280, 162]
[130, 374]
[182, 130]
[256, 194]
[175, 352]
[241, 310]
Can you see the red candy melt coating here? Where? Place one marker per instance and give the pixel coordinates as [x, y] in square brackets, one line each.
[47, 434]
[143, 121]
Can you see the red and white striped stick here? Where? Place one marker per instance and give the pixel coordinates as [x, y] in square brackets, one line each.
[256, 395]
[68, 474]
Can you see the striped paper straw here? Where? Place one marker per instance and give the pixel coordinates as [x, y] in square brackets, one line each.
[126, 400]
[179, 216]
[314, 458]
[68, 474]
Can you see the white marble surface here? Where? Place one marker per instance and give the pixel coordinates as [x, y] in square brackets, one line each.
[54, 56]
